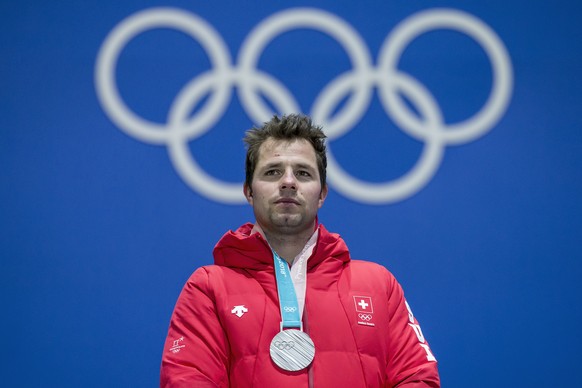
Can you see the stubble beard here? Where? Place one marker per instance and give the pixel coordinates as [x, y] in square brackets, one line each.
[286, 220]
[288, 223]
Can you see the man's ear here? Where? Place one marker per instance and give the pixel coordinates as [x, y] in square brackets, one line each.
[248, 192]
[322, 196]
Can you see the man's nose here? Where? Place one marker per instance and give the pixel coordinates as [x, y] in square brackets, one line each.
[289, 180]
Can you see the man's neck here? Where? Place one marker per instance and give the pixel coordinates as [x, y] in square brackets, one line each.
[286, 246]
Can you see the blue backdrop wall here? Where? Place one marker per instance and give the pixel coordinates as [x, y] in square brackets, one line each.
[455, 140]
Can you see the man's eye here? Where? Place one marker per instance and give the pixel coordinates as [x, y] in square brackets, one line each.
[303, 173]
[271, 172]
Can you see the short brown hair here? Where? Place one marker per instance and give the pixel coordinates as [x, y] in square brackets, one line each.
[286, 127]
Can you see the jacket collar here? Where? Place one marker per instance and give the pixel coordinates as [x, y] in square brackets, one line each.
[247, 250]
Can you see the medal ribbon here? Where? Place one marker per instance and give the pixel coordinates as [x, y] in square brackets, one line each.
[287, 297]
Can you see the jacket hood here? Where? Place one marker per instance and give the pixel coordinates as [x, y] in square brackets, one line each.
[241, 249]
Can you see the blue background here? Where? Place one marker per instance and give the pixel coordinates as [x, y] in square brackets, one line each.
[98, 233]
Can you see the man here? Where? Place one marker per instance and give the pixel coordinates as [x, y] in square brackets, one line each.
[284, 305]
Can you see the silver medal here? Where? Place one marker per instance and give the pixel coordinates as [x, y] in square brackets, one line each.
[292, 350]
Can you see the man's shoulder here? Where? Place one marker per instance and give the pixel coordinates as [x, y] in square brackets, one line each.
[215, 280]
[214, 270]
[369, 270]
[366, 265]
[367, 278]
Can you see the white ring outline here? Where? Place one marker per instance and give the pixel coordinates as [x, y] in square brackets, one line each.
[282, 22]
[284, 345]
[134, 25]
[414, 26]
[365, 317]
[362, 78]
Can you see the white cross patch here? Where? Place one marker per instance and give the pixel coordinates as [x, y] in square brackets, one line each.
[363, 304]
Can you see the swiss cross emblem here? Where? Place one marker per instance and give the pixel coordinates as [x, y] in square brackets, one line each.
[363, 304]
[364, 310]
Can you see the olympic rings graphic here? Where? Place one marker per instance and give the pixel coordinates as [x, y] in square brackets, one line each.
[365, 317]
[284, 345]
[252, 83]
[288, 309]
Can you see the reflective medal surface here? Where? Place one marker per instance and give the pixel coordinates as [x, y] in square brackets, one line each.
[292, 350]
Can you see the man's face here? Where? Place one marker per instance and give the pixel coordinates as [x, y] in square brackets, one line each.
[286, 191]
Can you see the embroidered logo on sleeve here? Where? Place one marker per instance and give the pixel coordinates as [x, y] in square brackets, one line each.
[176, 347]
[239, 311]
[413, 323]
[364, 310]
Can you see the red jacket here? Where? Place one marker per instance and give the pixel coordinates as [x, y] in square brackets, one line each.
[355, 313]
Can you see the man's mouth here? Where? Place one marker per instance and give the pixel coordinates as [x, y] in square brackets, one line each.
[287, 201]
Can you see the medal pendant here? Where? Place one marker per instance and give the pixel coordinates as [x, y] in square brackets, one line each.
[292, 350]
